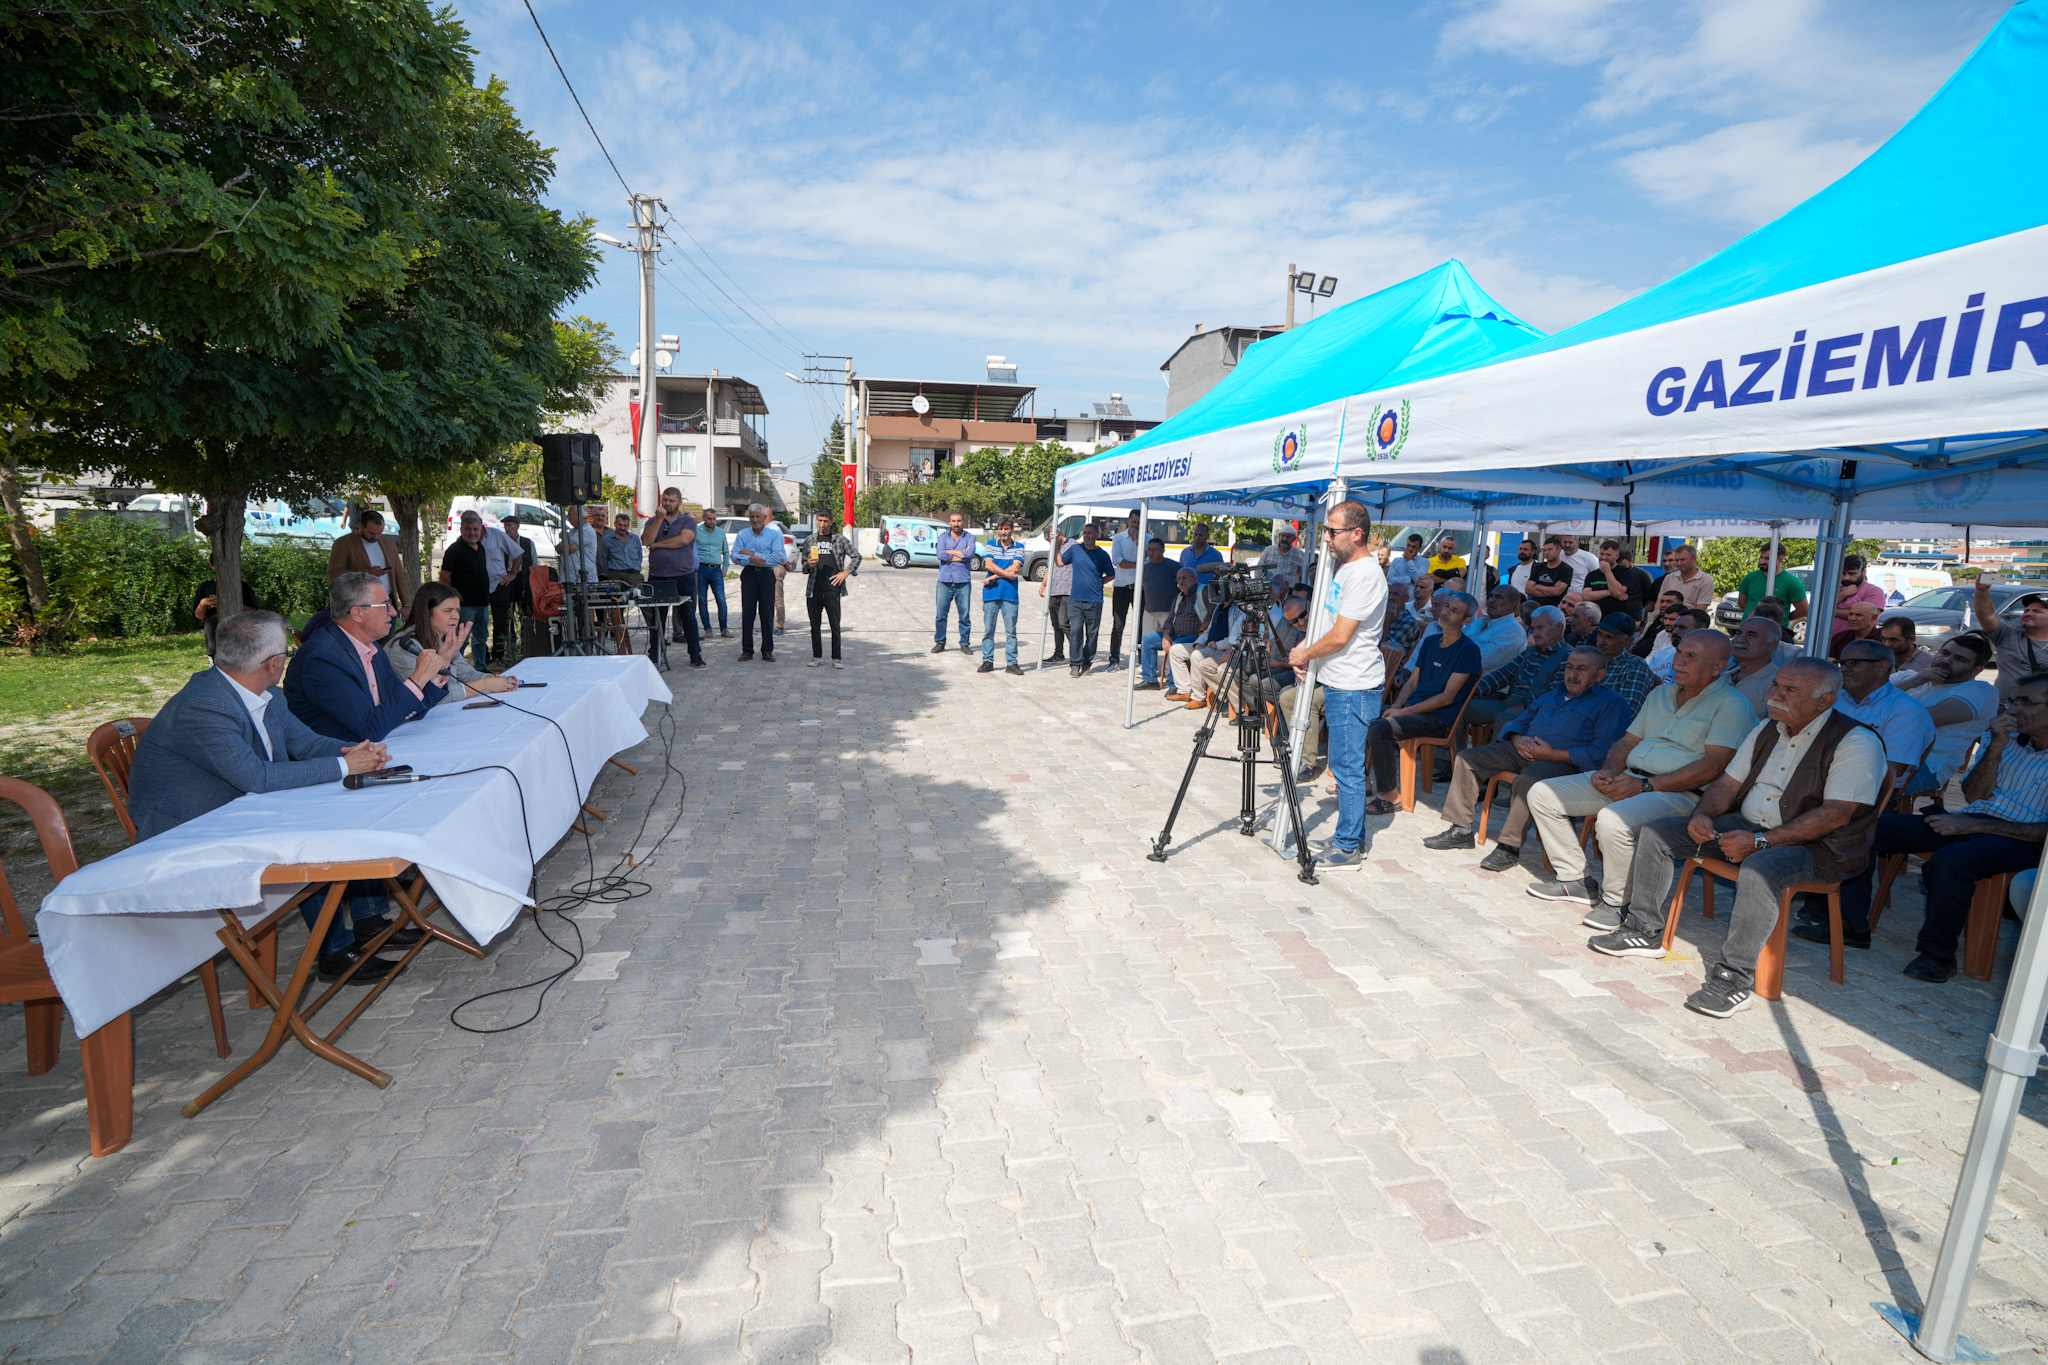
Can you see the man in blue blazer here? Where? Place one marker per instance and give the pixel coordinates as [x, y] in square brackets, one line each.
[228, 732]
[341, 684]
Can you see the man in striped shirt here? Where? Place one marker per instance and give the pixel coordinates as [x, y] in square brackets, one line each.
[2000, 830]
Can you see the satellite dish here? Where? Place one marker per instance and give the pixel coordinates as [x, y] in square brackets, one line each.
[662, 358]
[920, 405]
[633, 361]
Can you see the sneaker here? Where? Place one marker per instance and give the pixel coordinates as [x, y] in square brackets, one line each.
[1501, 859]
[404, 937]
[1931, 969]
[1013, 670]
[1309, 772]
[1822, 933]
[369, 970]
[1146, 687]
[813, 663]
[1721, 995]
[724, 634]
[1076, 671]
[697, 663]
[1603, 918]
[1580, 891]
[839, 663]
[938, 649]
[1329, 855]
[1624, 942]
[987, 666]
[1452, 837]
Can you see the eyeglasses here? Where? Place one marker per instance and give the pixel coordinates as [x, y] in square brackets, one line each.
[1333, 530]
[2025, 701]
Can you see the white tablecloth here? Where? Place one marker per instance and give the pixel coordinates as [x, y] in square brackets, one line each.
[116, 932]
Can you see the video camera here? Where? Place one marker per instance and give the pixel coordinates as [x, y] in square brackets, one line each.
[1238, 585]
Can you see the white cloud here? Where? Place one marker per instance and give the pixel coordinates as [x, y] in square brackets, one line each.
[1566, 31]
[1747, 173]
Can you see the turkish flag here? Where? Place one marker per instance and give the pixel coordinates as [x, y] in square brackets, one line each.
[849, 480]
[635, 408]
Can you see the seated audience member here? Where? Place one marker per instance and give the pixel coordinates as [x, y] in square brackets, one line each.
[1957, 701]
[436, 624]
[1685, 621]
[228, 732]
[1753, 660]
[1186, 621]
[1158, 586]
[341, 684]
[1580, 624]
[1446, 670]
[1499, 632]
[1505, 691]
[2000, 830]
[1902, 638]
[1772, 610]
[1862, 619]
[1407, 617]
[1867, 695]
[1568, 729]
[1679, 742]
[1658, 634]
[1798, 803]
[1626, 673]
[1211, 660]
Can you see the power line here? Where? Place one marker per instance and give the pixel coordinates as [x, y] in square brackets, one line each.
[577, 98]
[765, 329]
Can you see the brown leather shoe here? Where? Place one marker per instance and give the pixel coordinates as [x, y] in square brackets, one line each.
[1198, 703]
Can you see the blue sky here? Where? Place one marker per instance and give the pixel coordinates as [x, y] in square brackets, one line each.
[1075, 187]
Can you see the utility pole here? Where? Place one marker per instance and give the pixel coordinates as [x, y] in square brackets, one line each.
[847, 447]
[646, 473]
[1291, 276]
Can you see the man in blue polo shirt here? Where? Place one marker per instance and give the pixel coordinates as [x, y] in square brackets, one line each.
[955, 549]
[1200, 552]
[1092, 570]
[1004, 562]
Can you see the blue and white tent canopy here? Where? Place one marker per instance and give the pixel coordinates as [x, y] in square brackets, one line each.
[1896, 321]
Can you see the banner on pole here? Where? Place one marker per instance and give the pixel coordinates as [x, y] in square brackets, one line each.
[849, 476]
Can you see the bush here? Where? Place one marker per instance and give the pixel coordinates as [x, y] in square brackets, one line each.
[288, 575]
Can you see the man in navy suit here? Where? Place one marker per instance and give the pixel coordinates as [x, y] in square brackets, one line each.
[341, 684]
[228, 732]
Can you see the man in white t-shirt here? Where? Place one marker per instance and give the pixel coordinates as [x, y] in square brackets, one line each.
[1583, 562]
[1126, 549]
[1352, 672]
[1961, 707]
[1525, 557]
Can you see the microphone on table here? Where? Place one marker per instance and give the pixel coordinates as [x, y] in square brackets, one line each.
[357, 781]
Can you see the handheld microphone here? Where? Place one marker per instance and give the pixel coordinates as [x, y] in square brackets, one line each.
[357, 781]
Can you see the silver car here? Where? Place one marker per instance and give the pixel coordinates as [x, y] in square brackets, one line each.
[1940, 613]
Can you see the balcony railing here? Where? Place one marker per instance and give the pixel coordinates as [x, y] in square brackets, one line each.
[726, 426]
[739, 492]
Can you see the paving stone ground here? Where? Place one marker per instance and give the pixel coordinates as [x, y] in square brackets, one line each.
[911, 1055]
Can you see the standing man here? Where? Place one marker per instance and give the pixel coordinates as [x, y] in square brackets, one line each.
[1054, 587]
[1409, 565]
[2000, 830]
[1694, 587]
[618, 554]
[2021, 646]
[1284, 556]
[1583, 562]
[1124, 555]
[502, 557]
[671, 541]
[758, 551]
[465, 568]
[714, 550]
[1786, 587]
[1550, 578]
[369, 550]
[577, 552]
[1156, 594]
[1198, 553]
[1004, 564]
[1447, 563]
[1797, 803]
[1352, 672]
[519, 592]
[1679, 741]
[1092, 571]
[955, 549]
[1525, 559]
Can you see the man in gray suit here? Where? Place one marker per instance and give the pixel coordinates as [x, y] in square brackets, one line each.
[228, 732]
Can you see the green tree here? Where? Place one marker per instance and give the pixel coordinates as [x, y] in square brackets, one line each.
[1728, 558]
[825, 492]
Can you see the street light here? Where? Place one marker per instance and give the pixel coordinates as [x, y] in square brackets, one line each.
[1304, 282]
[608, 239]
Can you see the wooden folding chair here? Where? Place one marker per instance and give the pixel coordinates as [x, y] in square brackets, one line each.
[1418, 757]
[111, 748]
[107, 1055]
[1770, 962]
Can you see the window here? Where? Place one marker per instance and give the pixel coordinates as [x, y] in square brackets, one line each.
[681, 461]
[926, 461]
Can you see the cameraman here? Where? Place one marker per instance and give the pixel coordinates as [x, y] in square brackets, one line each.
[1351, 675]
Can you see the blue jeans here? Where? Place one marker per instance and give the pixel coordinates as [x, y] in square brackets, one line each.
[478, 619]
[958, 596]
[362, 901]
[710, 583]
[1148, 656]
[991, 609]
[1349, 715]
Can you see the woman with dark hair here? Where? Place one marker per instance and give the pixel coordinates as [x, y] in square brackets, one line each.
[829, 562]
[436, 615]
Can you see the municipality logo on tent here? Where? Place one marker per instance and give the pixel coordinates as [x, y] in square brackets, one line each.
[1389, 430]
[1288, 448]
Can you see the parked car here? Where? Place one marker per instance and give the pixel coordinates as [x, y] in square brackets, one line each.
[1900, 581]
[1942, 612]
[914, 540]
[541, 523]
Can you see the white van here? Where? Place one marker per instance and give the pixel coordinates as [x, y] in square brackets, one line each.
[541, 523]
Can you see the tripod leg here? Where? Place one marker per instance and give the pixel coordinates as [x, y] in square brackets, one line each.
[1202, 735]
[1248, 728]
[1293, 798]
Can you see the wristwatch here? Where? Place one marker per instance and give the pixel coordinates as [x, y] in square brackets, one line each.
[1762, 843]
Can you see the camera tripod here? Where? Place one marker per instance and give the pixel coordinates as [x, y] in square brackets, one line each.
[1249, 662]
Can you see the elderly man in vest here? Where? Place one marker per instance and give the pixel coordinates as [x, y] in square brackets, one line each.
[1798, 803]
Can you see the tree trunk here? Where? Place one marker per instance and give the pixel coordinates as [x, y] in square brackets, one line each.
[23, 535]
[407, 512]
[227, 509]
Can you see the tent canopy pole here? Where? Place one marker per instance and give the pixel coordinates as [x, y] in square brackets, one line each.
[1137, 611]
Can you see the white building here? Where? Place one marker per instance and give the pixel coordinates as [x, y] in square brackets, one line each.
[708, 441]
